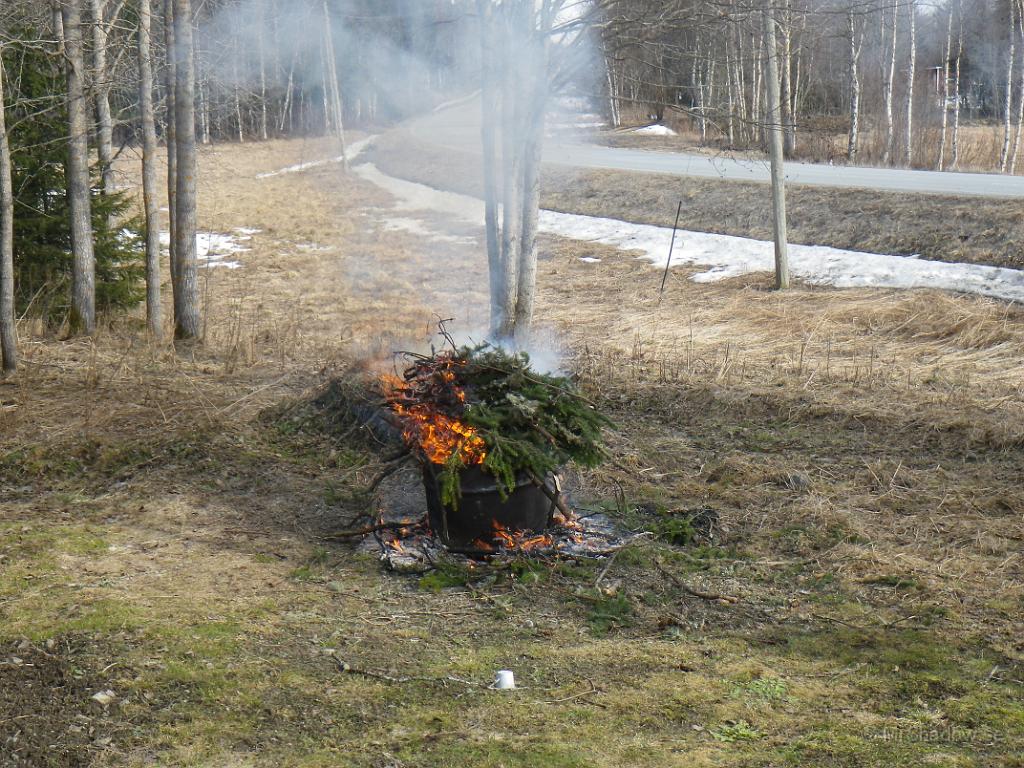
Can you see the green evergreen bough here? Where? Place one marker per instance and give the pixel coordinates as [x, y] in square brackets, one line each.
[530, 422]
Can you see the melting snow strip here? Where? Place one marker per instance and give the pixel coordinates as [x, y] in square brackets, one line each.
[728, 256]
[351, 153]
[212, 247]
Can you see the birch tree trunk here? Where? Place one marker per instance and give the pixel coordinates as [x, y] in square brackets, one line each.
[101, 87]
[775, 146]
[8, 321]
[490, 98]
[945, 89]
[955, 160]
[185, 283]
[261, 52]
[83, 288]
[908, 139]
[512, 176]
[888, 78]
[788, 119]
[853, 142]
[1020, 102]
[154, 319]
[536, 103]
[1004, 157]
[236, 96]
[332, 78]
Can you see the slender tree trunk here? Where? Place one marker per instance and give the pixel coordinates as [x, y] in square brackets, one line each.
[730, 85]
[853, 142]
[332, 78]
[286, 110]
[613, 94]
[536, 104]
[8, 320]
[186, 287]
[490, 98]
[945, 89]
[757, 50]
[83, 289]
[775, 146]
[788, 119]
[888, 78]
[512, 125]
[261, 52]
[955, 160]
[1020, 103]
[1004, 157]
[171, 137]
[101, 87]
[202, 88]
[154, 319]
[908, 141]
[237, 98]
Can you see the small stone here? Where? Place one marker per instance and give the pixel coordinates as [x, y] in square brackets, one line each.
[104, 698]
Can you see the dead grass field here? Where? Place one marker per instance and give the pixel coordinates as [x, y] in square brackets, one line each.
[163, 514]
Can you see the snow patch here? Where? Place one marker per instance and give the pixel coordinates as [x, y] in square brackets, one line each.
[213, 247]
[726, 256]
[420, 229]
[654, 130]
[352, 151]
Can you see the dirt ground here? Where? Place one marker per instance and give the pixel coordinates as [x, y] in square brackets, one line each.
[165, 515]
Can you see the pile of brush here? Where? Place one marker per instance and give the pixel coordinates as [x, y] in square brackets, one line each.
[486, 407]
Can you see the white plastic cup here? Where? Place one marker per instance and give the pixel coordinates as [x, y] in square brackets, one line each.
[504, 680]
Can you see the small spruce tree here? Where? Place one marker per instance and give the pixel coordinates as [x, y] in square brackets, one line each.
[37, 122]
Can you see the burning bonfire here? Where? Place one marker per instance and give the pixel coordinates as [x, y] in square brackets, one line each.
[490, 435]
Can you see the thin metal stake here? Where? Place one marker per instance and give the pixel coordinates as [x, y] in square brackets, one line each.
[671, 248]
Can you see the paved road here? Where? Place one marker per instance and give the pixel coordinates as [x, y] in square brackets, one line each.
[456, 128]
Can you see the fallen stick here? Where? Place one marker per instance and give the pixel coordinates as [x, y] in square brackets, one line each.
[713, 596]
[556, 497]
[392, 466]
[356, 532]
[671, 248]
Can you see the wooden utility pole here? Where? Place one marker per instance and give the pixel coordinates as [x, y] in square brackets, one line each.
[83, 282]
[8, 327]
[775, 148]
[171, 134]
[154, 319]
[185, 279]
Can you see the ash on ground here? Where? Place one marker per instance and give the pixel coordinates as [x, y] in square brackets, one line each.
[407, 544]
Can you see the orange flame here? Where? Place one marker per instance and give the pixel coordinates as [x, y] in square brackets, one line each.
[517, 541]
[436, 434]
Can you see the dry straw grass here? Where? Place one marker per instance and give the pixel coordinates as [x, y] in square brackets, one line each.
[865, 437]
